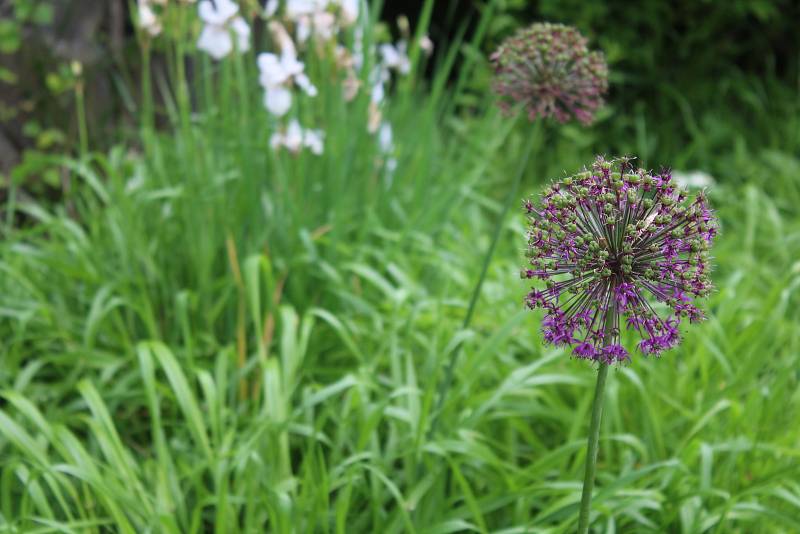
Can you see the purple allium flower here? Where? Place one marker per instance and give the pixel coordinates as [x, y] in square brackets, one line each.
[611, 243]
[549, 68]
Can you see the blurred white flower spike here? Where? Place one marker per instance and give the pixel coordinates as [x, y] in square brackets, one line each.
[348, 10]
[299, 8]
[693, 179]
[276, 76]
[223, 24]
[396, 57]
[321, 24]
[271, 7]
[148, 20]
[294, 138]
[385, 136]
[426, 45]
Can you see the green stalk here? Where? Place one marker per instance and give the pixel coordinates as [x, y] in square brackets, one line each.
[80, 104]
[148, 113]
[487, 259]
[591, 454]
[594, 433]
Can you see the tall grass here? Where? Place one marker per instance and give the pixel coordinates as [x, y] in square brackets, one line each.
[211, 336]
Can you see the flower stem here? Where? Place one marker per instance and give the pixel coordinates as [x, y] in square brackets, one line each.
[455, 353]
[591, 449]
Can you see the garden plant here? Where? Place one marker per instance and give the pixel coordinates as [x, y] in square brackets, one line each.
[276, 288]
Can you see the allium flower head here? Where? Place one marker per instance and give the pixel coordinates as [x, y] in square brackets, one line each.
[548, 68]
[618, 247]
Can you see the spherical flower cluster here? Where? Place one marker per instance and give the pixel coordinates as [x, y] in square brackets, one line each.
[613, 244]
[548, 68]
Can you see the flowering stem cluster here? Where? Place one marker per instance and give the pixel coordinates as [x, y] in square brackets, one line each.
[608, 242]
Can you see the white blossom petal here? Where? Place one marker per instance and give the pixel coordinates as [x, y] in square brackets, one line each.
[313, 140]
[378, 78]
[293, 138]
[305, 84]
[271, 72]
[216, 41]
[426, 45]
[148, 20]
[693, 179]
[276, 140]
[242, 31]
[385, 137]
[278, 100]
[271, 7]
[218, 13]
[303, 31]
[349, 11]
[324, 24]
[290, 65]
[298, 8]
[395, 57]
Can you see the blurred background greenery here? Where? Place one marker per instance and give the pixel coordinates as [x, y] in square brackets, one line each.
[203, 333]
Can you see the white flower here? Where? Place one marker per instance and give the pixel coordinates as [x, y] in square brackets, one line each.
[386, 147]
[395, 57]
[378, 78]
[221, 26]
[277, 70]
[278, 100]
[313, 140]
[276, 73]
[148, 20]
[391, 166]
[349, 11]
[271, 8]
[426, 45]
[695, 179]
[295, 138]
[321, 23]
[217, 13]
[298, 8]
[385, 138]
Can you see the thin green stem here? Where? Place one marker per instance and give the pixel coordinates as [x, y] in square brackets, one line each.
[83, 131]
[594, 436]
[591, 454]
[455, 353]
[148, 113]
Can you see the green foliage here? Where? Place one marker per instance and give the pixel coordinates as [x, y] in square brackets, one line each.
[208, 334]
